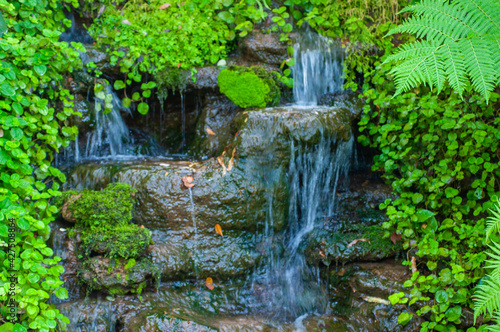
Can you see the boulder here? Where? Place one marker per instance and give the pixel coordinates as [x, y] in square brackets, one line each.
[261, 48]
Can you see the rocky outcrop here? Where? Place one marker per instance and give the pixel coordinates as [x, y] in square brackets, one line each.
[261, 48]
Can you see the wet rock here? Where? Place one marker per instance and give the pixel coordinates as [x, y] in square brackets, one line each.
[184, 254]
[205, 78]
[217, 116]
[101, 60]
[258, 47]
[360, 294]
[116, 276]
[152, 322]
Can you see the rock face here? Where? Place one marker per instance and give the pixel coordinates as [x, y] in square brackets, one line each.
[261, 48]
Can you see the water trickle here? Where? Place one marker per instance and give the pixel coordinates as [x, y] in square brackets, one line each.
[318, 68]
[195, 240]
[183, 114]
[110, 131]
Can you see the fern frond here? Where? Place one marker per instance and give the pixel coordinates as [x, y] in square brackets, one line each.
[482, 10]
[493, 222]
[477, 60]
[493, 328]
[466, 34]
[494, 264]
[447, 14]
[454, 66]
[487, 297]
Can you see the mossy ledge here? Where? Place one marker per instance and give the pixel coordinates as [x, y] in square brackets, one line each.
[250, 86]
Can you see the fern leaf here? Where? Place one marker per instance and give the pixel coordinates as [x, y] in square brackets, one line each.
[425, 28]
[454, 67]
[493, 328]
[477, 60]
[415, 49]
[486, 12]
[493, 222]
[487, 297]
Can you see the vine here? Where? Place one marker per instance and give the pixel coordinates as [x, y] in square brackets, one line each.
[34, 112]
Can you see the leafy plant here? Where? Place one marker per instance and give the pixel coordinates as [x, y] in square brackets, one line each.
[487, 293]
[458, 42]
[34, 112]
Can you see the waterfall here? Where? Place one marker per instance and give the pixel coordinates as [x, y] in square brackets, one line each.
[110, 131]
[318, 68]
[314, 174]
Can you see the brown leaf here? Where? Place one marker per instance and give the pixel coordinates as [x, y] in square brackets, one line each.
[231, 161]
[221, 162]
[165, 5]
[341, 273]
[237, 133]
[65, 212]
[218, 229]
[413, 264]
[321, 253]
[395, 237]
[210, 131]
[365, 183]
[209, 283]
[127, 22]
[142, 226]
[352, 286]
[179, 65]
[356, 241]
[187, 181]
[424, 226]
[182, 3]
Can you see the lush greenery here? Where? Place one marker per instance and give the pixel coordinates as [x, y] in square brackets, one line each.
[249, 87]
[440, 153]
[34, 109]
[457, 41]
[487, 295]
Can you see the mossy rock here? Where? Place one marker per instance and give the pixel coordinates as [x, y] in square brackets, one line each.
[122, 240]
[249, 86]
[117, 276]
[110, 206]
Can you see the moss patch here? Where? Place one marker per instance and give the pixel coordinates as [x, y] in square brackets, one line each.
[123, 240]
[110, 206]
[249, 86]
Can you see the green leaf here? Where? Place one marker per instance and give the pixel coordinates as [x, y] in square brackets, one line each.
[19, 328]
[118, 85]
[453, 313]
[226, 17]
[7, 90]
[451, 192]
[441, 296]
[404, 318]
[143, 108]
[423, 215]
[40, 69]
[3, 25]
[61, 293]
[227, 3]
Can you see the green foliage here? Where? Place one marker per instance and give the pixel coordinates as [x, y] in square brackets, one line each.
[122, 240]
[249, 87]
[441, 155]
[458, 41]
[110, 206]
[34, 112]
[487, 293]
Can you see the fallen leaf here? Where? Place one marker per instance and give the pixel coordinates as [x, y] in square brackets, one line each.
[237, 133]
[395, 237]
[165, 6]
[356, 241]
[187, 181]
[424, 226]
[221, 162]
[373, 299]
[321, 253]
[166, 173]
[179, 65]
[101, 10]
[413, 264]
[218, 229]
[341, 273]
[182, 3]
[365, 183]
[210, 131]
[127, 22]
[231, 161]
[352, 286]
[142, 226]
[209, 283]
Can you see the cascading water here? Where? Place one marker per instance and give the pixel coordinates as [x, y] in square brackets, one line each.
[318, 68]
[110, 131]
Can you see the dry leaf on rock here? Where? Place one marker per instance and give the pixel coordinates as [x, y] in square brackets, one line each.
[231, 161]
[218, 229]
[413, 264]
[101, 10]
[356, 241]
[210, 131]
[187, 181]
[209, 283]
[165, 6]
[395, 237]
[221, 162]
[373, 299]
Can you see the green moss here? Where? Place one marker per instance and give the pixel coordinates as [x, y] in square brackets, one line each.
[171, 79]
[249, 87]
[110, 206]
[122, 240]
